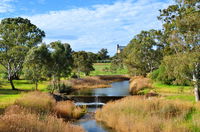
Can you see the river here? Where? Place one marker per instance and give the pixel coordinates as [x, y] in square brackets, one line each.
[88, 122]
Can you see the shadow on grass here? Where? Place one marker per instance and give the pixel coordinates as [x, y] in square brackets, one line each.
[12, 92]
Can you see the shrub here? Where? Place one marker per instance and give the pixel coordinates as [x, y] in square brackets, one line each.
[36, 101]
[18, 119]
[67, 109]
[139, 83]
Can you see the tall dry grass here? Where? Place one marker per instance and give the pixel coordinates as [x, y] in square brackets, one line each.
[67, 109]
[95, 81]
[139, 83]
[44, 103]
[133, 114]
[37, 101]
[18, 119]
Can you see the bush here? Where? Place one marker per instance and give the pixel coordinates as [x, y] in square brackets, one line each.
[36, 101]
[163, 76]
[67, 109]
[65, 88]
[18, 119]
[139, 83]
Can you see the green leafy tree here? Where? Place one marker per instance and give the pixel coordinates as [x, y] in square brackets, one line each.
[92, 56]
[103, 54]
[144, 53]
[17, 36]
[36, 64]
[61, 62]
[82, 63]
[182, 26]
[117, 62]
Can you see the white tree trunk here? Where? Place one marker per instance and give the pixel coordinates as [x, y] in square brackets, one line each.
[196, 88]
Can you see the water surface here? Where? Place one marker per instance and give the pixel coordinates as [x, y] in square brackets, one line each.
[116, 89]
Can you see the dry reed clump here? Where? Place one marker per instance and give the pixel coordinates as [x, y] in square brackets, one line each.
[95, 81]
[18, 119]
[139, 83]
[67, 109]
[36, 101]
[132, 114]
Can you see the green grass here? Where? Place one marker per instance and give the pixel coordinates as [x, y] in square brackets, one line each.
[8, 96]
[174, 92]
[104, 69]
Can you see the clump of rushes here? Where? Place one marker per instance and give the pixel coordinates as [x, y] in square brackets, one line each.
[133, 114]
[19, 119]
[36, 101]
[67, 109]
[44, 103]
[138, 83]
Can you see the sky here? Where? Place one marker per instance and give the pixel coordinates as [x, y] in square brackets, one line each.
[88, 24]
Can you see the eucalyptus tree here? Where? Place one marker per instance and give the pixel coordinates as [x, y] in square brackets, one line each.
[17, 36]
[37, 63]
[144, 53]
[82, 63]
[103, 54]
[61, 61]
[182, 26]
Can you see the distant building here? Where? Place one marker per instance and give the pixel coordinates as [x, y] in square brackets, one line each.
[120, 48]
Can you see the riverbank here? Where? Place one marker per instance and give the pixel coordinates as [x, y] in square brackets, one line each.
[136, 114]
[38, 111]
[95, 81]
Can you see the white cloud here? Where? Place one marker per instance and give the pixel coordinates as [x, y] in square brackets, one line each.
[5, 6]
[102, 26]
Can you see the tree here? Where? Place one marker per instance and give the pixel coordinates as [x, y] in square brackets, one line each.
[182, 26]
[17, 36]
[92, 56]
[117, 62]
[103, 54]
[61, 61]
[144, 53]
[36, 64]
[82, 63]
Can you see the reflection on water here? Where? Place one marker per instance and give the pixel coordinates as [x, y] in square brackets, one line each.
[116, 89]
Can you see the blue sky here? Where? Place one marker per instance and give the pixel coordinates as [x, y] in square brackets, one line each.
[88, 24]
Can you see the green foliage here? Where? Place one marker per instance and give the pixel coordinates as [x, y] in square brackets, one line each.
[36, 64]
[117, 63]
[61, 59]
[82, 63]
[61, 87]
[17, 36]
[103, 54]
[143, 53]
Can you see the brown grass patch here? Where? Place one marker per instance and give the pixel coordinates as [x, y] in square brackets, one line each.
[36, 101]
[18, 119]
[139, 83]
[95, 81]
[138, 115]
[67, 109]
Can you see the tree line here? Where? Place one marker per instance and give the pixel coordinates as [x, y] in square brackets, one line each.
[170, 55]
[23, 53]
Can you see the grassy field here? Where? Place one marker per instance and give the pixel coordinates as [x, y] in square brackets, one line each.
[8, 96]
[104, 69]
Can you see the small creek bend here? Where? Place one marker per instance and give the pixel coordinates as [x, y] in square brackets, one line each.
[94, 99]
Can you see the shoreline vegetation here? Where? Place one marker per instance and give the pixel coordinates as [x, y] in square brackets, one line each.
[38, 111]
[150, 115]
